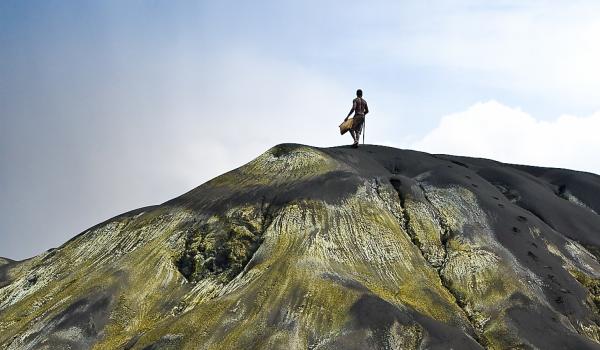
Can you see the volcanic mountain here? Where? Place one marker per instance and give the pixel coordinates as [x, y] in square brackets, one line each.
[328, 248]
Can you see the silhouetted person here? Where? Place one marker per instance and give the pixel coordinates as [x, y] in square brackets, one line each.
[360, 109]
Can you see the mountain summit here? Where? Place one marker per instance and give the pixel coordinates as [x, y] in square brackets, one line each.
[328, 248]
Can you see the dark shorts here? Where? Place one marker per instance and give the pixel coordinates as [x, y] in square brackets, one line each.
[358, 123]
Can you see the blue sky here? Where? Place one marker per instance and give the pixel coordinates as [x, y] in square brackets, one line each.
[106, 106]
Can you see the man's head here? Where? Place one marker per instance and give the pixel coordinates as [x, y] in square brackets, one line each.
[359, 93]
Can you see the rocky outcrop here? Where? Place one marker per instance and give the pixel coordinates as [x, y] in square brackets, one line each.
[337, 248]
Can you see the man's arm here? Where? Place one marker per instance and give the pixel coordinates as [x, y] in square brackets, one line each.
[366, 108]
[352, 110]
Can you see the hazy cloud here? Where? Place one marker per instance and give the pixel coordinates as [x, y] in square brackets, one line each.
[536, 48]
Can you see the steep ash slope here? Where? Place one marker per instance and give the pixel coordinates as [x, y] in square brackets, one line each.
[369, 248]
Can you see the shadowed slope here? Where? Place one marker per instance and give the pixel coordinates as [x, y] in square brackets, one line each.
[325, 249]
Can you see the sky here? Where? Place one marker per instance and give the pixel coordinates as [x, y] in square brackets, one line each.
[108, 106]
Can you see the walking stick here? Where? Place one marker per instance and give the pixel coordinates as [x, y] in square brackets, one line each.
[364, 130]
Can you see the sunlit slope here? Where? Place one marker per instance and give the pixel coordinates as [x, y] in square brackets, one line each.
[338, 248]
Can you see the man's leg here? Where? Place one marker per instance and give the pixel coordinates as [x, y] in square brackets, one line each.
[353, 133]
[355, 137]
[357, 133]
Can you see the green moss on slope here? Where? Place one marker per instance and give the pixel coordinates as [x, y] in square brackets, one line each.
[281, 164]
[592, 285]
[376, 267]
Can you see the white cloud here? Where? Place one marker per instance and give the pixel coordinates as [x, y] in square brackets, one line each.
[493, 130]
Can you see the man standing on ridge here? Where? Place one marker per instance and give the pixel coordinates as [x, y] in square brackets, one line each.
[360, 109]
